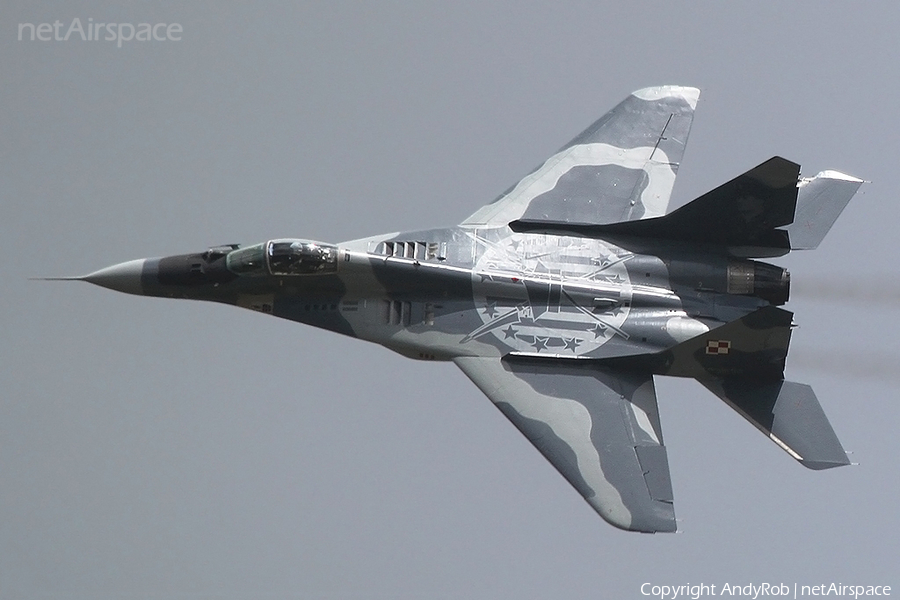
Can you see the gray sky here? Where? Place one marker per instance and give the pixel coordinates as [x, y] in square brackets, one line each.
[156, 449]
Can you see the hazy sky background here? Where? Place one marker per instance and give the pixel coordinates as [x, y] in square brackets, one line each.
[155, 449]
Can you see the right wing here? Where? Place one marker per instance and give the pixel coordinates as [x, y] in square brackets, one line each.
[621, 168]
[599, 427]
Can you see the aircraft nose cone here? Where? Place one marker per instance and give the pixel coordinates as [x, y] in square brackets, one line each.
[123, 277]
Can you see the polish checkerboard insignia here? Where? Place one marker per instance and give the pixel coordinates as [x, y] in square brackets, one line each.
[718, 347]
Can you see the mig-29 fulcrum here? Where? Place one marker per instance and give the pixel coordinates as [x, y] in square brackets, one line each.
[563, 298]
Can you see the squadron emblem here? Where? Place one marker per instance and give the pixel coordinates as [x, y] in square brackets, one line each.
[550, 294]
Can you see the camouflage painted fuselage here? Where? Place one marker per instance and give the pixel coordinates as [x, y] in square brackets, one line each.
[443, 293]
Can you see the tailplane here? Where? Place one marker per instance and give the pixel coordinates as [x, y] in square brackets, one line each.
[820, 200]
[789, 414]
[742, 362]
[756, 345]
[767, 211]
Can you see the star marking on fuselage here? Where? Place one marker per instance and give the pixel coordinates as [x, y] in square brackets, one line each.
[572, 344]
[509, 332]
[599, 329]
[540, 343]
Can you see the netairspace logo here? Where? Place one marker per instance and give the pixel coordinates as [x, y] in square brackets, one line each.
[93, 32]
[752, 591]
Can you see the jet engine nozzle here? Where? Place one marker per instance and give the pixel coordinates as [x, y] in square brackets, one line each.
[753, 278]
[771, 283]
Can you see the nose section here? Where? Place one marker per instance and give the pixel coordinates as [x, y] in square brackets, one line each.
[123, 277]
[197, 276]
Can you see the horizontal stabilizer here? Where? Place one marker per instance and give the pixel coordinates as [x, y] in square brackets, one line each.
[789, 413]
[756, 344]
[820, 201]
[745, 212]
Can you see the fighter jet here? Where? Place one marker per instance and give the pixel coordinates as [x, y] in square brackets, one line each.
[565, 296]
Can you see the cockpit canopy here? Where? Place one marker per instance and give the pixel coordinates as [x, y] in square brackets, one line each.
[284, 257]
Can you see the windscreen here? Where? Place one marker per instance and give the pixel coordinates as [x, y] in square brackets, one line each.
[301, 257]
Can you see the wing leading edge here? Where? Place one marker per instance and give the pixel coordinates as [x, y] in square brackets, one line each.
[621, 168]
[599, 427]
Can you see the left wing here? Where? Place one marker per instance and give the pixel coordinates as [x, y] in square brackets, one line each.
[599, 427]
[621, 168]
